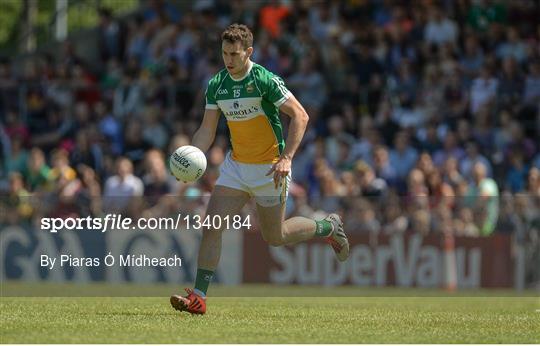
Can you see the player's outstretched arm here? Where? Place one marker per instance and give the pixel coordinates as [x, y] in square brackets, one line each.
[205, 135]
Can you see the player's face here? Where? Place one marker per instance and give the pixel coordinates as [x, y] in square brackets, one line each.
[235, 57]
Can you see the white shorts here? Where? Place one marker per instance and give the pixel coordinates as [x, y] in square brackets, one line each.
[252, 179]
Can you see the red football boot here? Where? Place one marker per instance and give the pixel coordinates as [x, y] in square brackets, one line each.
[192, 303]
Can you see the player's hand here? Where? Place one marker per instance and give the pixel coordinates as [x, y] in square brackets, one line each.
[281, 169]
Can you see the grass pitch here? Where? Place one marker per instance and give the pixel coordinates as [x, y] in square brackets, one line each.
[400, 316]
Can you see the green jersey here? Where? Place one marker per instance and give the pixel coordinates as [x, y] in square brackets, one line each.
[251, 106]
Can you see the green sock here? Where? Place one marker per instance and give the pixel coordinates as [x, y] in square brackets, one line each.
[203, 280]
[324, 228]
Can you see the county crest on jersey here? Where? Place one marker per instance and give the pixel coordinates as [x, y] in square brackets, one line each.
[251, 106]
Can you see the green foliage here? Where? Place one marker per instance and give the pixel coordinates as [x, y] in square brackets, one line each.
[10, 11]
[82, 14]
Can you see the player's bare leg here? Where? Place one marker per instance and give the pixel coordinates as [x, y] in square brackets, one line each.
[224, 202]
[297, 229]
[289, 231]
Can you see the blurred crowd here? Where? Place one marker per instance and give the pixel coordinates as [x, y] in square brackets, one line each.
[424, 115]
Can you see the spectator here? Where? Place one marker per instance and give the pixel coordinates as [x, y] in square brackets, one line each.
[450, 149]
[400, 50]
[155, 180]
[417, 191]
[135, 145]
[89, 199]
[395, 222]
[8, 86]
[482, 14]
[465, 133]
[109, 127]
[59, 89]
[517, 173]
[271, 17]
[330, 188]
[513, 47]
[420, 222]
[441, 193]
[56, 129]
[483, 193]
[38, 173]
[370, 185]
[309, 85]
[406, 85]
[16, 161]
[366, 66]
[451, 174]
[155, 8]
[323, 20]
[139, 41]
[472, 157]
[127, 96]
[511, 83]
[121, 187]
[87, 152]
[483, 90]
[61, 168]
[518, 141]
[531, 93]
[267, 54]
[109, 36]
[429, 139]
[14, 127]
[154, 131]
[472, 58]
[430, 96]
[18, 198]
[502, 136]
[533, 183]
[382, 166]
[531, 99]
[465, 225]
[363, 219]
[425, 163]
[336, 140]
[403, 157]
[439, 29]
[385, 123]
[66, 187]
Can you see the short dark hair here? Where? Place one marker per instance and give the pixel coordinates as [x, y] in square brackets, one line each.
[238, 33]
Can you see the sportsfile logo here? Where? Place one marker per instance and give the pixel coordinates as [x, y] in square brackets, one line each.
[123, 223]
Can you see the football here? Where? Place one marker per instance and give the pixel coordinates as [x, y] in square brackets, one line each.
[187, 163]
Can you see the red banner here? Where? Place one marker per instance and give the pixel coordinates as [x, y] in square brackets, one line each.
[408, 261]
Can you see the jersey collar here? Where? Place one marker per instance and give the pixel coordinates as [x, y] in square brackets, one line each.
[245, 75]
